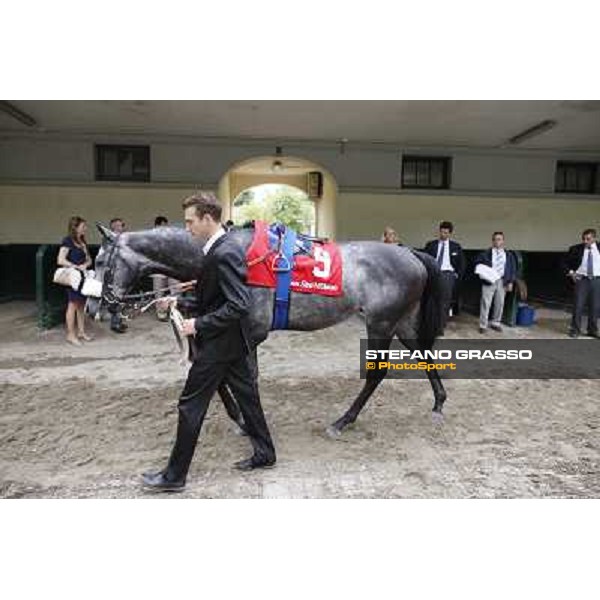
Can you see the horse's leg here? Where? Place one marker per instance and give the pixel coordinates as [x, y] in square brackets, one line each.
[374, 378]
[439, 393]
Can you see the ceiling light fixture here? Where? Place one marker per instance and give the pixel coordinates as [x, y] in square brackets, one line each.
[277, 165]
[15, 113]
[538, 129]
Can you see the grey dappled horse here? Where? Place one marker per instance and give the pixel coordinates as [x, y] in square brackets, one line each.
[396, 290]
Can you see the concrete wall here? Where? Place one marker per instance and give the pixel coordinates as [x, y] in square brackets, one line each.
[534, 223]
[39, 213]
[45, 178]
[176, 160]
[515, 174]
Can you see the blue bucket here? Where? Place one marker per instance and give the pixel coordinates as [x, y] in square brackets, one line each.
[525, 315]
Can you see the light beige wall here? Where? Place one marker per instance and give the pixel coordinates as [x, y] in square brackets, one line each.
[224, 194]
[326, 208]
[31, 214]
[39, 214]
[540, 223]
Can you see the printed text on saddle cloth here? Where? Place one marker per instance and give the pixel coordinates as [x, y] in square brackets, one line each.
[317, 265]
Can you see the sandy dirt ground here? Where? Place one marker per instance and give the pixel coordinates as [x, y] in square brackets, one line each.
[85, 422]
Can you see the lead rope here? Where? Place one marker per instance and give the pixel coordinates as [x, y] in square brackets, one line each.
[183, 341]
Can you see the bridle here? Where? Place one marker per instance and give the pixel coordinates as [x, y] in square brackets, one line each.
[131, 302]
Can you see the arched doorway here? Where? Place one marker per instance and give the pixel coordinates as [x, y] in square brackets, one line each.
[307, 180]
[276, 202]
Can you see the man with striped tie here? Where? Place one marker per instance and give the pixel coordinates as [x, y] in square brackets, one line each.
[504, 264]
[583, 266]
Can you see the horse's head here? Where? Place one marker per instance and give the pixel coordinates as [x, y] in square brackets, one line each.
[127, 257]
[116, 268]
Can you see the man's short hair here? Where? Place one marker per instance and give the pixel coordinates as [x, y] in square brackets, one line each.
[589, 232]
[497, 233]
[160, 220]
[205, 203]
[447, 225]
[114, 220]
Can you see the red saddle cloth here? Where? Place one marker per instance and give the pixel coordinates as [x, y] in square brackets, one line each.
[319, 272]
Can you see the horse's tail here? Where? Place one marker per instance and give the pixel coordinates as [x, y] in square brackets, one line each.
[431, 321]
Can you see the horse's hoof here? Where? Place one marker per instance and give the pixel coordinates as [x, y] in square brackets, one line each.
[333, 432]
[437, 418]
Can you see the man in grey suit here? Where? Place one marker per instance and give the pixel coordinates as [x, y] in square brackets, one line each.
[504, 263]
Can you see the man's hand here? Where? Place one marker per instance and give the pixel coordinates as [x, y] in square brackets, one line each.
[189, 327]
[572, 275]
[166, 302]
[509, 287]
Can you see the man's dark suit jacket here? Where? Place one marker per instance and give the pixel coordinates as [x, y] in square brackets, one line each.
[574, 257]
[457, 256]
[510, 267]
[222, 304]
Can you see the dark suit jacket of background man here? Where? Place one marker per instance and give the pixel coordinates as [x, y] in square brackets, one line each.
[457, 256]
[572, 262]
[574, 257]
[458, 262]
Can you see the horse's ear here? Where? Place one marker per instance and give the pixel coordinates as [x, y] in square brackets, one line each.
[106, 233]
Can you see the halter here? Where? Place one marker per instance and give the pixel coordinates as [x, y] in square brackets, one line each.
[131, 301]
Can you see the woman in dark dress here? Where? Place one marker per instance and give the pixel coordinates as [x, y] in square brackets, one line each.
[74, 253]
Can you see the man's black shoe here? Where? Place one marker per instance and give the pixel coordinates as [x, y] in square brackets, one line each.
[254, 462]
[159, 483]
[496, 327]
[121, 328]
[593, 334]
[573, 334]
[482, 330]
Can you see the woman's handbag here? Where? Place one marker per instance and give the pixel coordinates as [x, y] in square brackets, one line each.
[82, 282]
[69, 277]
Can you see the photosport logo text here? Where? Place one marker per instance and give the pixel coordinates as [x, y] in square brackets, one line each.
[484, 359]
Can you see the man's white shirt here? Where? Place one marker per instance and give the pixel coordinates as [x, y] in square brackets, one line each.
[446, 264]
[584, 261]
[212, 239]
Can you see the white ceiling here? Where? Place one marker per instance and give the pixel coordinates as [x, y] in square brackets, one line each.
[476, 124]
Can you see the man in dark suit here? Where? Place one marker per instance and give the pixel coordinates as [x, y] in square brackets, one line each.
[504, 263]
[224, 348]
[582, 264]
[451, 260]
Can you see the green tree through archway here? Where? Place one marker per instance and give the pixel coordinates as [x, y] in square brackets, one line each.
[276, 202]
